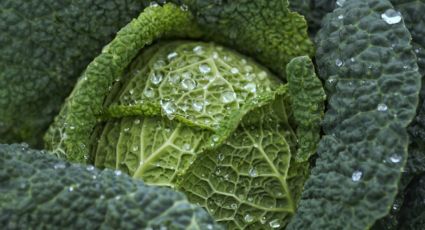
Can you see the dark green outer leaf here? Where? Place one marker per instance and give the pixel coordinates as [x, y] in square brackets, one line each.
[373, 85]
[44, 47]
[414, 18]
[264, 29]
[40, 191]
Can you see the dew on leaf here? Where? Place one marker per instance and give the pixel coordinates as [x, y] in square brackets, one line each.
[251, 87]
[391, 16]
[340, 3]
[220, 157]
[234, 70]
[174, 78]
[168, 107]
[248, 218]
[228, 97]
[341, 17]
[186, 147]
[188, 84]
[90, 168]
[234, 206]
[395, 158]
[59, 166]
[198, 50]
[172, 55]
[156, 78]
[338, 62]
[253, 172]
[382, 107]
[198, 106]
[357, 175]
[274, 223]
[117, 172]
[204, 68]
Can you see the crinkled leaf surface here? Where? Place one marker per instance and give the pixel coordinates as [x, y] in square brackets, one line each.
[373, 83]
[264, 29]
[44, 46]
[73, 126]
[307, 97]
[41, 191]
[414, 19]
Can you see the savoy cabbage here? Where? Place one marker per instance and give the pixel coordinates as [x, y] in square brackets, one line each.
[218, 100]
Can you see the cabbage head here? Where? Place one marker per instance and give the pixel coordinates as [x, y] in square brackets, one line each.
[195, 98]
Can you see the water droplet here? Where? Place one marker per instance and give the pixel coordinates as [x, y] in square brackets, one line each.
[274, 223]
[159, 64]
[149, 92]
[395, 158]
[137, 121]
[59, 166]
[188, 84]
[357, 175]
[184, 7]
[215, 55]
[391, 16]
[248, 218]
[90, 168]
[340, 3]
[263, 220]
[262, 75]
[156, 78]
[117, 197]
[215, 138]
[117, 173]
[218, 171]
[168, 107]
[226, 177]
[395, 206]
[186, 147]
[382, 107]
[153, 4]
[198, 50]
[234, 206]
[198, 106]
[332, 80]
[71, 188]
[204, 68]
[102, 197]
[126, 130]
[135, 148]
[174, 78]
[417, 50]
[338, 62]
[228, 97]
[341, 17]
[253, 172]
[171, 56]
[131, 91]
[251, 87]
[220, 157]
[234, 70]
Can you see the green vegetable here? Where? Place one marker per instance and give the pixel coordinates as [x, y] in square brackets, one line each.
[44, 47]
[187, 114]
[41, 191]
[372, 83]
